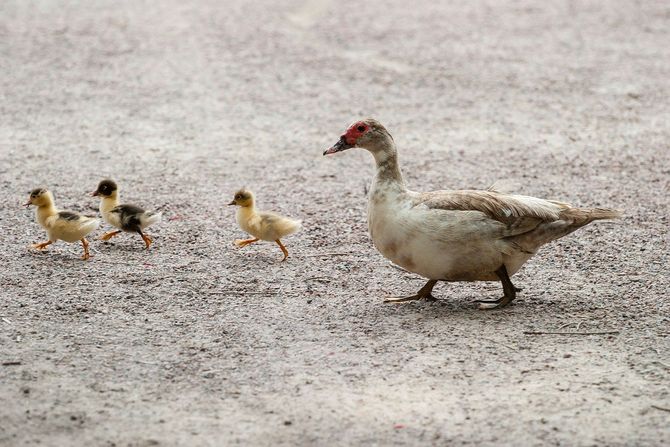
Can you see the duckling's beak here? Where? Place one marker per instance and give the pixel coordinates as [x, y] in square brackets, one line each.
[94, 194]
[232, 203]
[27, 204]
[340, 146]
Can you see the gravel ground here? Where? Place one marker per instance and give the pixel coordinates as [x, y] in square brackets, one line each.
[198, 343]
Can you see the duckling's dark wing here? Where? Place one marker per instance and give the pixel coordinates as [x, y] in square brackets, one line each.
[68, 215]
[129, 215]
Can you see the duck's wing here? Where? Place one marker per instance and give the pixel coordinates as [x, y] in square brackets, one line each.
[129, 217]
[509, 209]
[69, 225]
[69, 216]
[73, 219]
[527, 222]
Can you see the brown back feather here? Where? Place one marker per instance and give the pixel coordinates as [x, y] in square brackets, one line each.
[501, 207]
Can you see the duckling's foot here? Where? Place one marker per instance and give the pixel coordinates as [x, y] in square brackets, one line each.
[147, 240]
[425, 293]
[283, 249]
[244, 242]
[87, 255]
[508, 288]
[110, 234]
[42, 245]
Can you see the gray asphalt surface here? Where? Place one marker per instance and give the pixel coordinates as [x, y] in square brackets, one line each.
[198, 343]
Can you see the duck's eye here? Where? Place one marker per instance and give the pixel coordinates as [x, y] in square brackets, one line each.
[361, 128]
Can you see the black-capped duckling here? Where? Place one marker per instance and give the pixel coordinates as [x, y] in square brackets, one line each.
[125, 217]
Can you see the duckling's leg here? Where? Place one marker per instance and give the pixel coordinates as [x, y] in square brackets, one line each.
[244, 242]
[84, 242]
[424, 293]
[283, 249]
[42, 245]
[508, 288]
[147, 240]
[110, 234]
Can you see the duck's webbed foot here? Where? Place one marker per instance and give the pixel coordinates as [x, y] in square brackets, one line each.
[147, 240]
[244, 242]
[424, 294]
[508, 288]
[493, 304]
[41, 245]
[110, 234]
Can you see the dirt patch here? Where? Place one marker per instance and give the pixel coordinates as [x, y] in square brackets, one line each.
[198, 343]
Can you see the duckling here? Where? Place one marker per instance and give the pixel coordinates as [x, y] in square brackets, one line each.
[262, 225]
[125, 217]
[67, 226]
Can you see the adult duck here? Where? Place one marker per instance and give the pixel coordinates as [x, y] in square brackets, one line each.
[466, 235]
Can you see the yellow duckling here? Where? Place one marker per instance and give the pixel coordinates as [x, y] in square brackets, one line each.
[67, 226]
[262, 225]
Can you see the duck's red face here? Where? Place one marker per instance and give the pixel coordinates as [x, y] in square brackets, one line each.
[350, 137]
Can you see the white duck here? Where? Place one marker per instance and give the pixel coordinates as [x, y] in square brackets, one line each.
[465, 235]
[60, 225]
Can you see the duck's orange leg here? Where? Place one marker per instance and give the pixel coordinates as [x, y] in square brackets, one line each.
[110, 234]
[42, 245]
[147, 240]
[244, 242]
[283, 249]
[87, 255]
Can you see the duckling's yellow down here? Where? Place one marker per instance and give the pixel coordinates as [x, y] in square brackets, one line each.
[265, 225]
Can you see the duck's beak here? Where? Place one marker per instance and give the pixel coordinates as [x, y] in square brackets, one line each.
[340, 146]
[232, 203]
[94, 194]
[27, 204]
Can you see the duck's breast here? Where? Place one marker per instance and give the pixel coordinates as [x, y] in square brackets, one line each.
[249, 221]
[436, 244]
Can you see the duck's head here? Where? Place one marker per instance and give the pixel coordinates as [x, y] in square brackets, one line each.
[39, 197]
[243, 198]
[367, 134]
[106, 188]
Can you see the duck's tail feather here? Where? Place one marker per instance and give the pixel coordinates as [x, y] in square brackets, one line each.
[89, 225]
[571, 219]
[152, 217]
[291, 226]
[584, 216]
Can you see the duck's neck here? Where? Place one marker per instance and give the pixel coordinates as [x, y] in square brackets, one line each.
[45, 211]
[246, 212]
[388, 171]
[109, 203]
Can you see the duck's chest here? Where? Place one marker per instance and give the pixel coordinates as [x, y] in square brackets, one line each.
[389, 224]
[248, 221]
[106, 207]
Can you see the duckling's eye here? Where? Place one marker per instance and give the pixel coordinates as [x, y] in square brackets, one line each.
[361, 128]
[238, 197]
